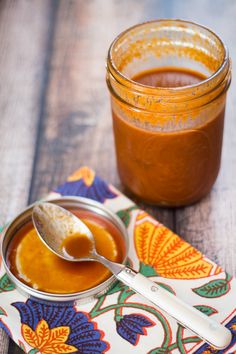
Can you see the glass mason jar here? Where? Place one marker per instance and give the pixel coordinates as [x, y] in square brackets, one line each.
[168, 139]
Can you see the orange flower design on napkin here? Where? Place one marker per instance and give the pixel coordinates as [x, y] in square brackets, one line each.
[167, 253]
[85, 173]
[47, 340]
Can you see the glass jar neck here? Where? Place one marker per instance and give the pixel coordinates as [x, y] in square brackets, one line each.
[153, 44]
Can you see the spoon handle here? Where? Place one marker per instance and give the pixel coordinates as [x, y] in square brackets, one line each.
[204, 327]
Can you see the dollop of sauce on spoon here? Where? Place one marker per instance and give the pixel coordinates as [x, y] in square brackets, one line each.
[77, 246]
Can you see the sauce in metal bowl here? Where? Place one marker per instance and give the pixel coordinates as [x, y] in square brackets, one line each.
[39, 272]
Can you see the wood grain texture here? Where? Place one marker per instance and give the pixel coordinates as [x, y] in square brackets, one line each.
[21, 62]
[24, 34]
[4, 343]
[54, 95]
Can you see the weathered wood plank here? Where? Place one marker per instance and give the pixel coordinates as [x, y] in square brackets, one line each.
[4, 342]
[211, 224]
[77, 127]
[24, 30]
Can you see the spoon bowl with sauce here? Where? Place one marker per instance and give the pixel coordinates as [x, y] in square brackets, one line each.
[69, 238]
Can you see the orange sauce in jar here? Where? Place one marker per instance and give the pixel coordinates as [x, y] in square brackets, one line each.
[169, 167]
[168, 77]
[35, 265]
[168, 81]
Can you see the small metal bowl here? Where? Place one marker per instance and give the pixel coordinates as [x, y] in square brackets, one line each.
[71, 203]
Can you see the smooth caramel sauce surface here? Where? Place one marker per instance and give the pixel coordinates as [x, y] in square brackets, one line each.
[34, 264]
[168, 77]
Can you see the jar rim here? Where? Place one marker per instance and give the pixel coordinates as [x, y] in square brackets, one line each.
[175, 90]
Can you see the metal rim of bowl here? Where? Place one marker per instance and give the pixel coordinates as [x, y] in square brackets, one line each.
[82, 296]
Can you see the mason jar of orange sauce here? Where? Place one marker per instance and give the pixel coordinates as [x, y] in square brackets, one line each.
[168, 81]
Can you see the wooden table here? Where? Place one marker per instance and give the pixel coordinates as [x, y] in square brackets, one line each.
[55, 115]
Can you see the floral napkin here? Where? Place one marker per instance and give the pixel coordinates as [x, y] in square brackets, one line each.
[120, 321]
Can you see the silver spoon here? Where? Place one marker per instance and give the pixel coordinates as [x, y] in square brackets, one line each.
[54, 224]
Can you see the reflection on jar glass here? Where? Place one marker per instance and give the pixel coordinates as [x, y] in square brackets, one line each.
[168, 81]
